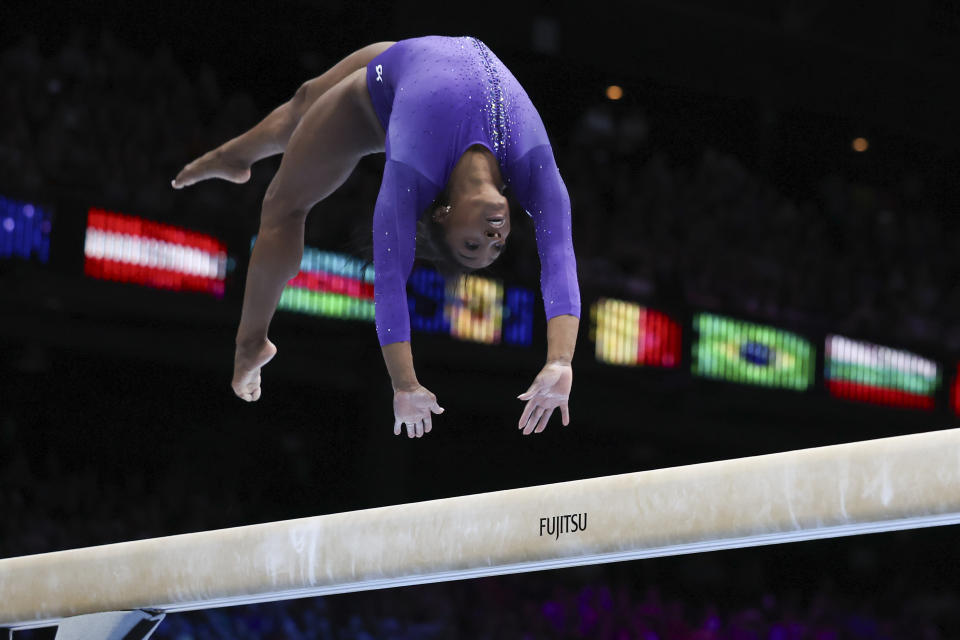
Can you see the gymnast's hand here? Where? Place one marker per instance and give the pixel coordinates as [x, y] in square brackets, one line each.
[413, 408]
[550, 389]
[247, 361]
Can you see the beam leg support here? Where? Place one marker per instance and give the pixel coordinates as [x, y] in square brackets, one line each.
[112, 625]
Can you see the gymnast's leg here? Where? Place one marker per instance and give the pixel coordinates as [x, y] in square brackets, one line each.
[232, 160]
[337, 130]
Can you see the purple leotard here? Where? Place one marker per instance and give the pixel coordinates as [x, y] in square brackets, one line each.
[436, 97]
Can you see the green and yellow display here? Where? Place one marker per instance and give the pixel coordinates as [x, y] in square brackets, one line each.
[748, 353]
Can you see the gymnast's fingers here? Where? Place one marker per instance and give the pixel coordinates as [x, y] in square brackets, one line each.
[427, 424]
[544, 419]
[411, 430]
[565, 413]
[419, 428]
[528, 427]
[397, 423]
[527, 410]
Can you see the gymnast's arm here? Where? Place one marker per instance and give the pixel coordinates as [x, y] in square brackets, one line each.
[402, 196]
[540, 189]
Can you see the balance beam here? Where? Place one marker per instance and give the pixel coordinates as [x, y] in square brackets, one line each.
[879, 485]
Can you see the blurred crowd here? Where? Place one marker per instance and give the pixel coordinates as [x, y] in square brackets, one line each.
[859, 259]
[106, 121]
[594, 611]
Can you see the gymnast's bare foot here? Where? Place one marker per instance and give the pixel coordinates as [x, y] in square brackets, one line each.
[213, 164]
[246, 369]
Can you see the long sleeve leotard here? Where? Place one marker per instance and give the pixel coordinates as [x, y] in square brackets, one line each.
[436, 97]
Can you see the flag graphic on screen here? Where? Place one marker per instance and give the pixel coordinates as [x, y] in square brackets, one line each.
[130, 249]
[330, 284]
[874, 373]
[476, 314]
[24, 230]
[748, 353]
[955, 392]
[338, 285]
[627, 333]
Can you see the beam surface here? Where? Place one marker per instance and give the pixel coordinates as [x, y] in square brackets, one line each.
[878, 485]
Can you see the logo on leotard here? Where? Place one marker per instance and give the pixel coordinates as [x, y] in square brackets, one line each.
[379, 69]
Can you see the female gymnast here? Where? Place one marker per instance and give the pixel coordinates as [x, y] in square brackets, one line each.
[457, 129]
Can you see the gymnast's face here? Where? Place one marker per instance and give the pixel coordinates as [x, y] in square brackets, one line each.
[477, 229]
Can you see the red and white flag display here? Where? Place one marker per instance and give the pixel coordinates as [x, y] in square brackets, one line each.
[130, 249]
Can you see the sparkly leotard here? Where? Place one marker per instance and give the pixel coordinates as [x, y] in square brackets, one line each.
[436, 97]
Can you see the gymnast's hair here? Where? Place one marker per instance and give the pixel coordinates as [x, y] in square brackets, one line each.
[432, 245]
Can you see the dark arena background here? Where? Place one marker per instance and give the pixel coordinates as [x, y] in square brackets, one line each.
[765, 204]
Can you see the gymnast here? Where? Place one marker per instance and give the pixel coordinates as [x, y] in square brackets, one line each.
[457, 129]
